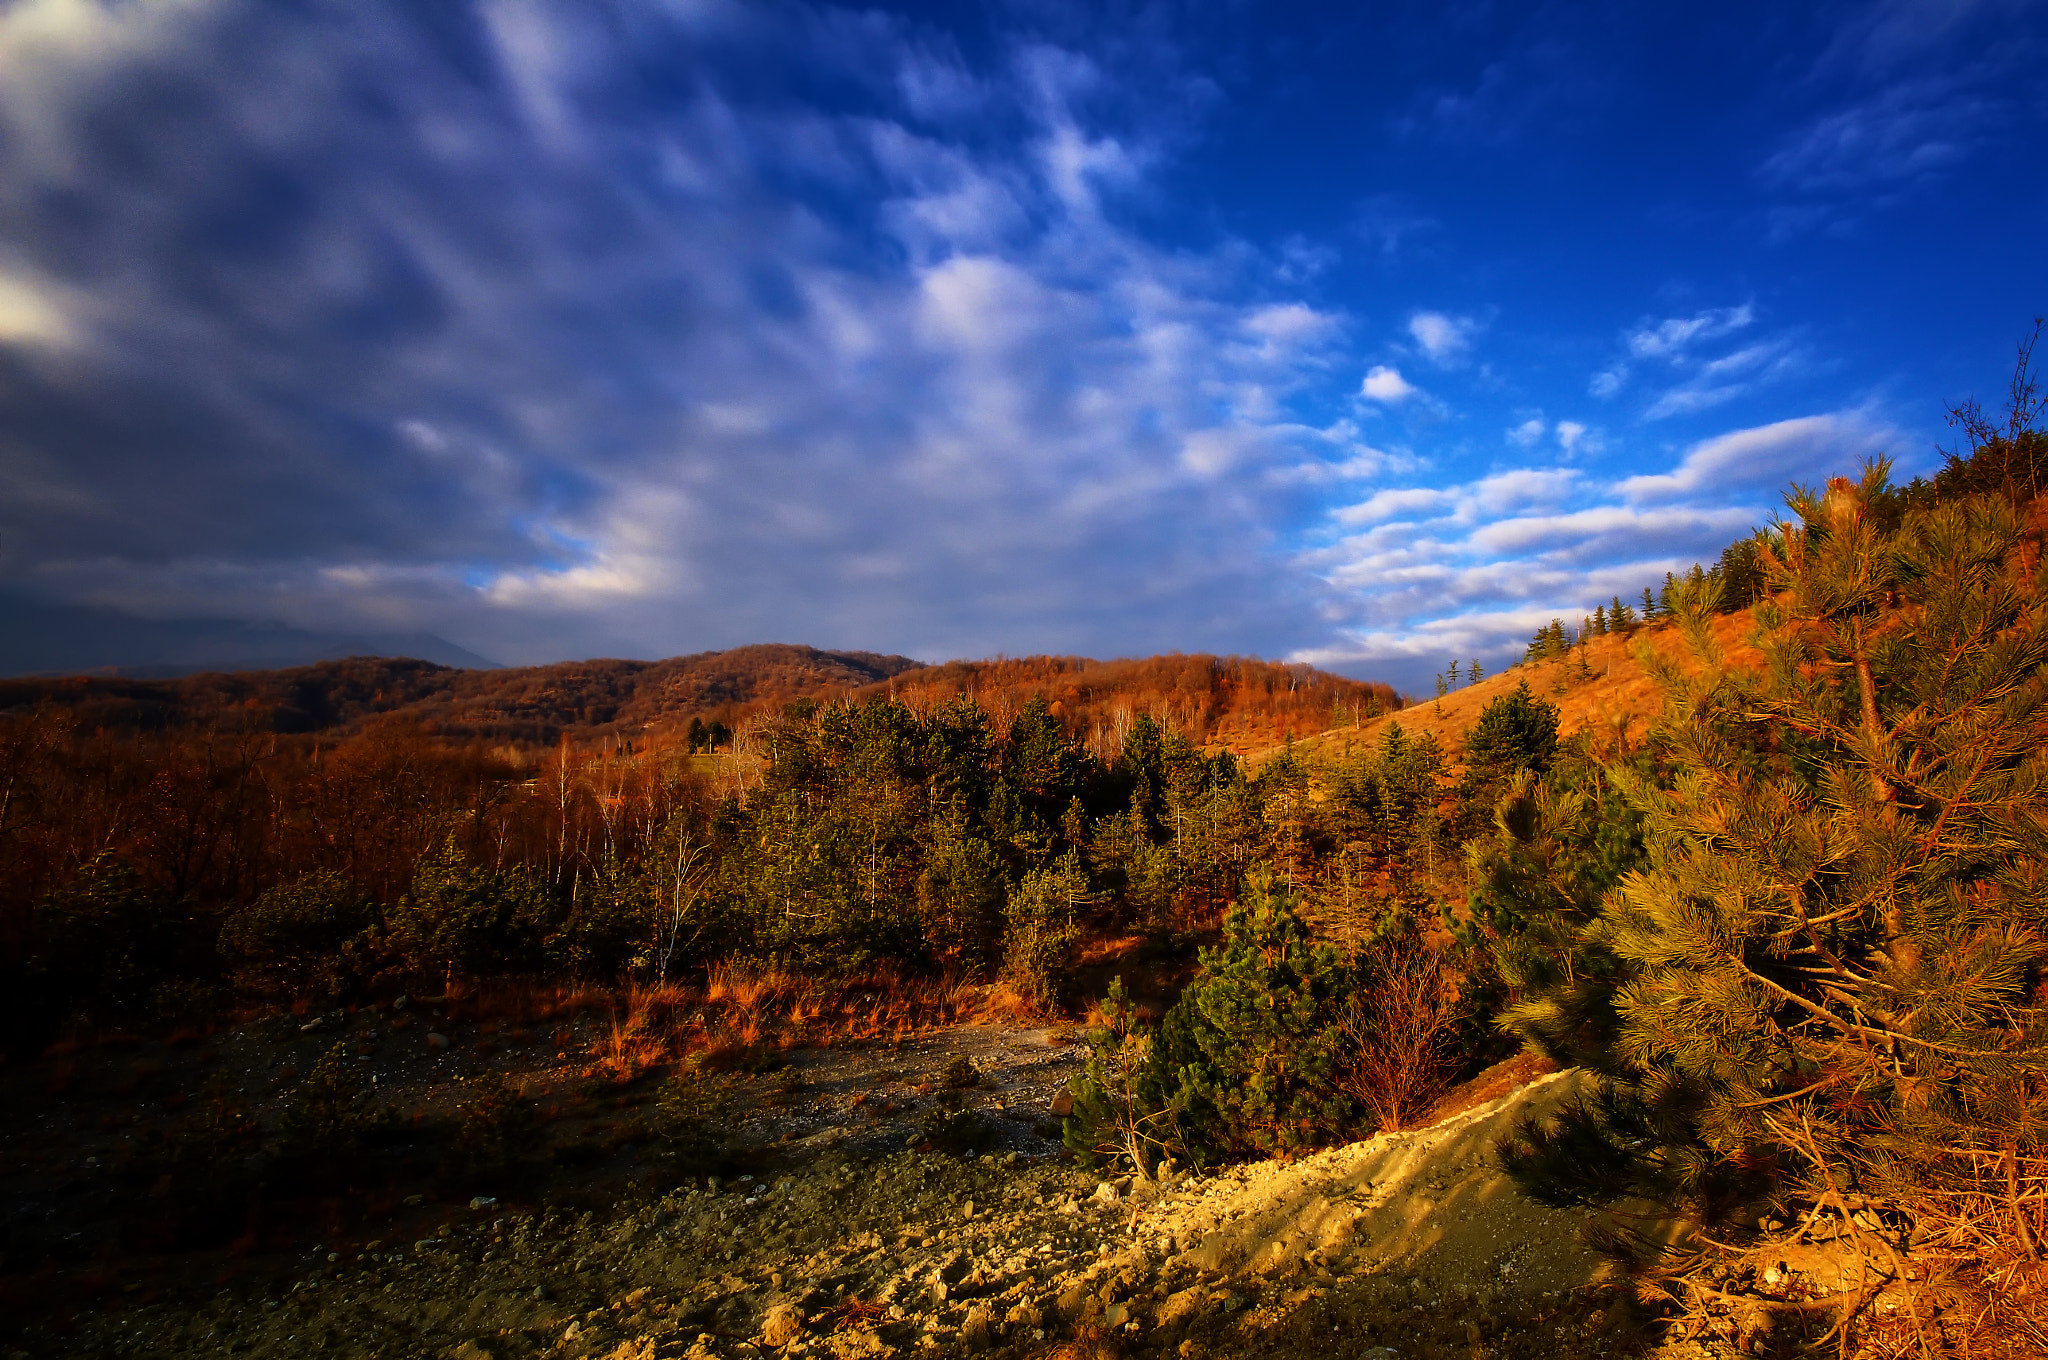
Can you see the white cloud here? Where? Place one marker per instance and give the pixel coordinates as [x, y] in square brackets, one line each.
[1383, 505]
[1445, 340]
[1528, 432]
[1569, 433]
[1385, 384]
[1766, 456]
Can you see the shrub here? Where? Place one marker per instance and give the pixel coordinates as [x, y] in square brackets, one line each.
[460, 919]
[1244, 1064]
[307, 936]
[1400, 1027]
[954, 1127]
[106, 941]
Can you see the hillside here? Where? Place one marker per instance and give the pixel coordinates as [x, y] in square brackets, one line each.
[528, 705]
[1227, 699]
[1235, 701]
[1614, 698]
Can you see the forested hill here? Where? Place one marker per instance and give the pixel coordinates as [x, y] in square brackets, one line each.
[529, 705]
[1236, 701]
[1232, 699]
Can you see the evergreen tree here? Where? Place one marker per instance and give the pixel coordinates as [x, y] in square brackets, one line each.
[1246, 1063]
[1821, 996]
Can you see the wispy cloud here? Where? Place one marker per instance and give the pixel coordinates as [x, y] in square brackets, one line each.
[1482, 563]
[1904, 133]
[498, 348]
[1446, 341]
[1690, 363]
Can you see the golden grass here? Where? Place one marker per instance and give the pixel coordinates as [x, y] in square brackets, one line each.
[741, 1015]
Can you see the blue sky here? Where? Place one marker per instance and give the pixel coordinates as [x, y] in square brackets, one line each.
[1368, 335]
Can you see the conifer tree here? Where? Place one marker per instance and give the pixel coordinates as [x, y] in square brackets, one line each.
[1821, 993]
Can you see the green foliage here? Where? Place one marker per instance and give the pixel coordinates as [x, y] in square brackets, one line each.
[1389, 797]
[613, 924]
[1556, 848]
[1824, 971]
[309, 936]
[1517, 731]
[106, 942]
[462, 919]
[1244, 1064]
[1041, 927]
[961, 893]
[328, 1114]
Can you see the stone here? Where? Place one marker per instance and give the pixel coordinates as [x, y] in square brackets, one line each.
[1023, 1315]
[483, 1202]
[977, 1330]
[436, 1040]
[1062, 1105]
[782, 1325]
[470, 1350]
[1105, 1193]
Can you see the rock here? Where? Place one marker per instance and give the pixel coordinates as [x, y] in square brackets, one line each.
[435, 1040]
[469, 1350]
[967, 1209]
[1023, 1315]
[415, 1201]
[1105, 1193]
[637, 1297]
[483, 1202]
[977, 1329]
[782, 1325]
[319, 1023]
[1062, 1105]
[401, 1003]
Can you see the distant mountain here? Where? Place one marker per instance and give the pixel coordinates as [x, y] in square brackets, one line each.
[1236, 700]
[45, 639]
[528, 705]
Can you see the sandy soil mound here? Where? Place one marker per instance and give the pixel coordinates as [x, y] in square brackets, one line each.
[1408, 1244]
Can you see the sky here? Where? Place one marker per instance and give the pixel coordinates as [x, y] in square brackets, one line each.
[1369, 335]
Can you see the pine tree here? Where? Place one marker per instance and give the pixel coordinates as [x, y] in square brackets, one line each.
[1821, 995]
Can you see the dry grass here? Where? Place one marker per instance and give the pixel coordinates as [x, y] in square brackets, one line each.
[1616, 702]
[740, 1018]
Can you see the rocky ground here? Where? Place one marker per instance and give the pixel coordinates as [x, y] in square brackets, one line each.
[1406, 1245]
